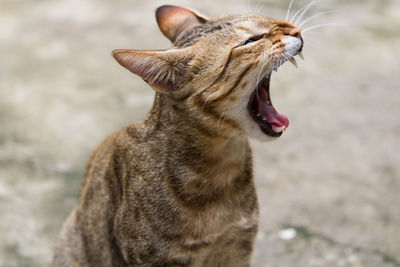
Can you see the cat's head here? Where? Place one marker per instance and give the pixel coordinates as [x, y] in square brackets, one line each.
[219, 69]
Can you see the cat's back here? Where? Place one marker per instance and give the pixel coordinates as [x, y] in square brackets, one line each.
[92, 220]
[123, 156]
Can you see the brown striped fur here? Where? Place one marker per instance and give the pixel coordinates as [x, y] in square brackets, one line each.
[177, 188]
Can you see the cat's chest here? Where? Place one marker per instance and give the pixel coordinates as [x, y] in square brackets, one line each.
[211, 228]
[217, 240]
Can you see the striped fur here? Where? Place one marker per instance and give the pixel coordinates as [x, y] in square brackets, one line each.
[177, 188]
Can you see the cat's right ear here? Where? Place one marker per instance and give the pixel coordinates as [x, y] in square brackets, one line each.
[162, 70]
[173, 20]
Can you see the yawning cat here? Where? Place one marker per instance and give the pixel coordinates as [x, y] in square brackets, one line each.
[177, 188]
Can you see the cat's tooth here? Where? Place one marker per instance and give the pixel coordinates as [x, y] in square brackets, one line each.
[301, 55]
[264, 119]
[293, 61]
[278, 129]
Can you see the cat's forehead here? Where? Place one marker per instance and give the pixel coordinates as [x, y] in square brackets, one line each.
[252, 24]
[241, 24]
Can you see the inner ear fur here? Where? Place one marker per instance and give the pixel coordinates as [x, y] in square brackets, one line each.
[173, 20]
[162, 70]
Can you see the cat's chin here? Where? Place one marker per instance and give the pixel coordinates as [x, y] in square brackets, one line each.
[257, 134]
[254, 131]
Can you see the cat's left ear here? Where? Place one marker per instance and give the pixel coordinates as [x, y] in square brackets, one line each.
[162, 70]
[173, 20]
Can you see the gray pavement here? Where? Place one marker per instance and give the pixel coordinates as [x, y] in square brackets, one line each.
[329, 189]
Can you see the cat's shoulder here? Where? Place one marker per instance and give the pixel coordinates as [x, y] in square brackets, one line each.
[124, 139]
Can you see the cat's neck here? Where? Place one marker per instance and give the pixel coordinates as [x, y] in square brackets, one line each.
[197, 146]
[168, 118]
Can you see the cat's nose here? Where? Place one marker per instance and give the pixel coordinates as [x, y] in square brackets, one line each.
[288, 28]
[295, 32]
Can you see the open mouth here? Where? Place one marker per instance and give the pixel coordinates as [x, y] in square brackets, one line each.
[263, 112]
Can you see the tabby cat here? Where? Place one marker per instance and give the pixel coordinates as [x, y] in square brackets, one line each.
[177, 189]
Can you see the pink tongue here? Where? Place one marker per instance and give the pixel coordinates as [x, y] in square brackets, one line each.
[267, 111]
[273, 117]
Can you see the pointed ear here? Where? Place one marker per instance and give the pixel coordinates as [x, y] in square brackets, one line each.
[172, 20]
[162, 70]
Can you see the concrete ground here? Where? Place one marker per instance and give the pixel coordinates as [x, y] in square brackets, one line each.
[329, 188]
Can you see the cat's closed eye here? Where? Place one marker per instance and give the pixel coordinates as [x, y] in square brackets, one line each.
[253, 39]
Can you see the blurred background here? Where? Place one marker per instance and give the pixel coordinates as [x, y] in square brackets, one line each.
[329, 188]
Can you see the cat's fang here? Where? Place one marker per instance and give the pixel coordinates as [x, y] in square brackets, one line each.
[293, 61]
[301, 55]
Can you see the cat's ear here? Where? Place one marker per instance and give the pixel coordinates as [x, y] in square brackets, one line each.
[172, 20]
[162, 70]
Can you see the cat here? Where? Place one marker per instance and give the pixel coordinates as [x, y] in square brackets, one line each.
[177, 189]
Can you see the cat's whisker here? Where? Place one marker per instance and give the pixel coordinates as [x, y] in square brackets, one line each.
[302, 9]
[284, 55]
[260, 8]
[248, 7]
[261, 69]
[305, 11]
[219, 120]
[289, 9]
[312, 17]
[319, 26]
[280, 70]
[296, 13]
[283, 65]
[311, 42]
[288, 55]
[205, 102]
[289, 58]
[277, 69]
[254, 9]
[293, 61]
[280, 62]
[259, 73]
[258, 78]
